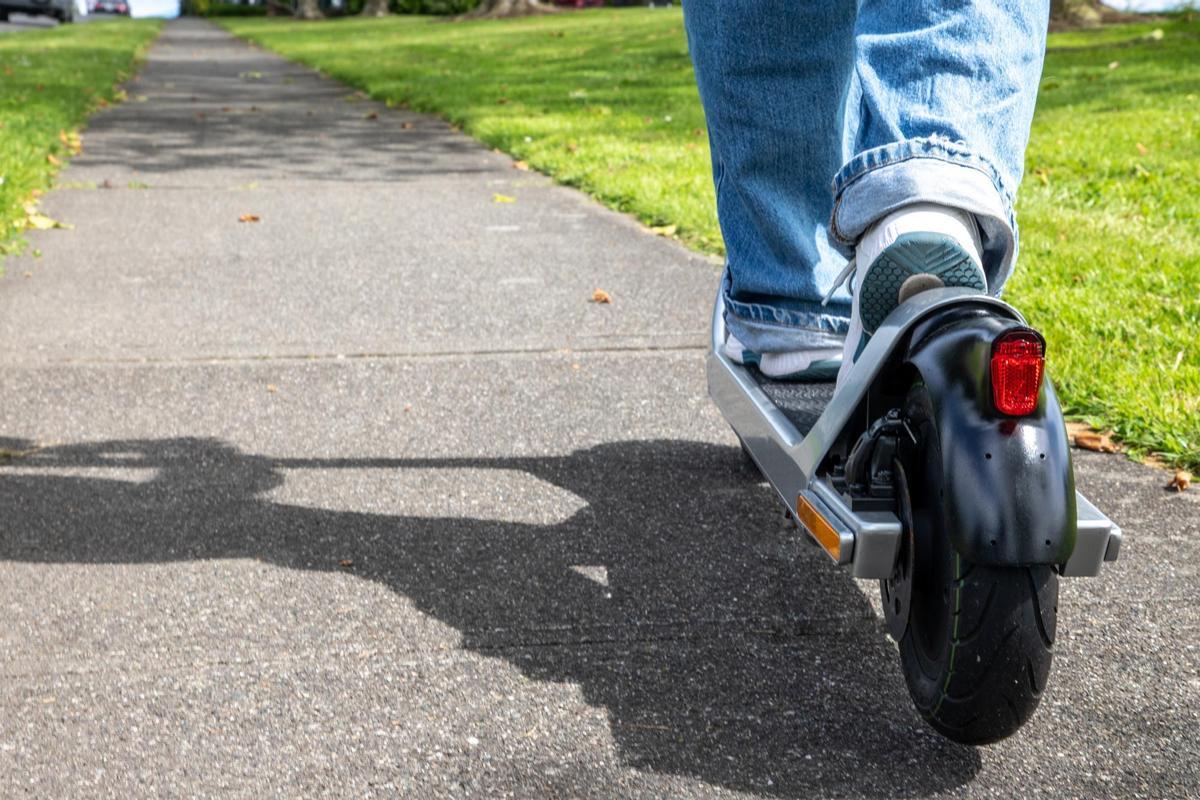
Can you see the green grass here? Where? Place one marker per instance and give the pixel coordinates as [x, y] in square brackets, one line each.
[604, 100]
[49, 81]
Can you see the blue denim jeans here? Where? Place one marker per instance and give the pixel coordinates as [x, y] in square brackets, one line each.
[826, 115]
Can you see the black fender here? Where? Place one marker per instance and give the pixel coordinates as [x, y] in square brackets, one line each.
[1009, 483]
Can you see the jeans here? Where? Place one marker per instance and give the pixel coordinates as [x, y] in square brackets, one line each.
[826, 115]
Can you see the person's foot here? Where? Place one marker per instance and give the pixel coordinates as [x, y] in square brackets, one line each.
[819, 364]
[919, 247]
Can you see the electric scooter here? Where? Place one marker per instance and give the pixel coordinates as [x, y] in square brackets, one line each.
[941, 467]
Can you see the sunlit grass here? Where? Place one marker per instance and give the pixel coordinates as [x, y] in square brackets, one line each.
[49, 81]
[605, 100]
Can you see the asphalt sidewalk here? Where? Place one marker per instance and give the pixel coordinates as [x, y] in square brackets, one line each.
[367, 497]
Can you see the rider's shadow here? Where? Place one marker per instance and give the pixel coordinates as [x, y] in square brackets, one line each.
[720, 645]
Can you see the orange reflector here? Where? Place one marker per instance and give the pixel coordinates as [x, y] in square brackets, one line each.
[819, 527]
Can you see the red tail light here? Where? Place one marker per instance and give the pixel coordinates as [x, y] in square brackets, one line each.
[1018, 362]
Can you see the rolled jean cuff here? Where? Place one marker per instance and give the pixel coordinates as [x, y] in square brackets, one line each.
[773, 329]
[936, 170]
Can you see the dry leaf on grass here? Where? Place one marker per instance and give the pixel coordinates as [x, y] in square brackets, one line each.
[601, 296]
[53, 160]
[521, 165]
[1181, 480]
[72, 141]
[503, 198]
[249, 218]
[665, 230]
[1085, 438]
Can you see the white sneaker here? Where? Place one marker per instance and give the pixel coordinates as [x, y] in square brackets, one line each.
[918, 247]
[818, 364]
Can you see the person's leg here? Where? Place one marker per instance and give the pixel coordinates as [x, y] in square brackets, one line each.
[945, 95]
[773, 77]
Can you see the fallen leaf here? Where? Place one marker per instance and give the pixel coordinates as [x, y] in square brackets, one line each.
[1043, 175]
[1114, 64]
[28, 274]
[406, 125]
[272, 388]
[7, 455]
[1085, 438]
[1181, 481]
[601, 296]
[521, 165]
[665, 230]
[1141, 148]
[249, 218]
[345, 563]
[40, 222]
[501, 101]
[573, 147]
[53, 160]
[373, 115]
[503, 198]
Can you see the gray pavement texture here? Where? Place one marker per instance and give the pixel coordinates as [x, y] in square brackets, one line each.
[368, 499]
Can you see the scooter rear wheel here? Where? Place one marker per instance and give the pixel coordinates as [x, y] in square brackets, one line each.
[978, 642]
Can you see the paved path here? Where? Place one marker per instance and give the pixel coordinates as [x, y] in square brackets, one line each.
[367, 499]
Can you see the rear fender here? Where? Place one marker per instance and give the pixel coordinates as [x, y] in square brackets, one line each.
[1009, 484]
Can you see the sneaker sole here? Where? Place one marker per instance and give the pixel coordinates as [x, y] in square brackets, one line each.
[913, 254]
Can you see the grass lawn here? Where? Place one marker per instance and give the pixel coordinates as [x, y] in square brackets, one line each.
[49, 81]
[604, 100]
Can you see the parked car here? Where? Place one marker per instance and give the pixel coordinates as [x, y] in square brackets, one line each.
[62, 10]
[108, 6]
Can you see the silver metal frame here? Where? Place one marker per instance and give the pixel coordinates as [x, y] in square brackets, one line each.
[870, 541]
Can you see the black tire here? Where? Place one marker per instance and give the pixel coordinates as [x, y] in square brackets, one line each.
[977, 649]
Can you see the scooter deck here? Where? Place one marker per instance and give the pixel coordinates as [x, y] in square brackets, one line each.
[801, 403]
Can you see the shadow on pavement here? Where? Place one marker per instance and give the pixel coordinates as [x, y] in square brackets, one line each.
[733, 655]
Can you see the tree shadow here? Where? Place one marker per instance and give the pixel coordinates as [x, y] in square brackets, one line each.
[721, 646]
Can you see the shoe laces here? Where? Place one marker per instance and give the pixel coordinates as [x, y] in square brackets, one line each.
[842, 278]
